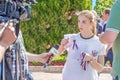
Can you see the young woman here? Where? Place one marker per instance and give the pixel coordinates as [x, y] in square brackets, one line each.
[85, 52]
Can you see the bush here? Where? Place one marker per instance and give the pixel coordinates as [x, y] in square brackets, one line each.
[57, 61]
[102, 4]
[35, 64]
[50, 20]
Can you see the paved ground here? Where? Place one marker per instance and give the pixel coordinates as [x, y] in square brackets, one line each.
[57, 76]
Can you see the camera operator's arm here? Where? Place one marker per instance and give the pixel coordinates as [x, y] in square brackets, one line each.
[7, 38]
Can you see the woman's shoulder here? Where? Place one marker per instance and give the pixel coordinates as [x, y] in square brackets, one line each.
[96, 38]
[99, 42]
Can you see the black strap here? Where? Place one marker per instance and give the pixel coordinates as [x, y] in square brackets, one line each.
[17, 28]
[8, 75]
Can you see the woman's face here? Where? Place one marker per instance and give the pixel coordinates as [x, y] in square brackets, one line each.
[105, 16]
[83, 23]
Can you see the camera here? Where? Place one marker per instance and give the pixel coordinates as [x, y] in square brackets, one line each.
[3, 19]
[15, 11]
[25, 12]
[31, 1]
[2, 7]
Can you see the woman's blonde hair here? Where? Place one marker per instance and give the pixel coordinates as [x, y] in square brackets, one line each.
[91, 17]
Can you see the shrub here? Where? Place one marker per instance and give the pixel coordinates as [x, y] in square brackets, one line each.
[57, 61]
[50, 20]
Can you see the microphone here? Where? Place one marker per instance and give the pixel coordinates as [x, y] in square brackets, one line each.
[54, 51]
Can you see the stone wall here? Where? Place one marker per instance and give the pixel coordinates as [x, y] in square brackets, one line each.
[57, 69]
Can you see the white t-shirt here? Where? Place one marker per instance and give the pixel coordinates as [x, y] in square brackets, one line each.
[73, 69]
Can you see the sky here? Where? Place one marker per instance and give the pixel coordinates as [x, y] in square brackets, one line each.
[93, 4]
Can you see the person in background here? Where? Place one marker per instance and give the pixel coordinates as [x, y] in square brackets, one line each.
[85, 51]
[105, 17]
[101, 26]
[109, 55]
[98, 25]
[9, 50]
[112, 36]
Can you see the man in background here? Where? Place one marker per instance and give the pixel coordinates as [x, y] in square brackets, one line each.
[109, 54]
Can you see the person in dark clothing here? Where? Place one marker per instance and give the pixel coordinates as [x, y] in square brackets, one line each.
[109, 55]
[101, 27]
[98, 25]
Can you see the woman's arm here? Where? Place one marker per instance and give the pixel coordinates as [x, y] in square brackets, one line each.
[96, 64]
[63, 46]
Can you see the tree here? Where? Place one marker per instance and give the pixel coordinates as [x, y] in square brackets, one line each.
[50, 20]
[102, 4]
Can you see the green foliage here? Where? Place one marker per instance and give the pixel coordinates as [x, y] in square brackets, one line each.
[57, 61]
[50, 20]
[35, 64]
[59, 58]
[102, 4]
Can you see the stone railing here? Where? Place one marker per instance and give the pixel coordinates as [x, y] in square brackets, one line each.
[57, 69]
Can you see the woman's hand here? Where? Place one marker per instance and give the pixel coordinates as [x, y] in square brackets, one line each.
[88, 57]
[65, 43]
